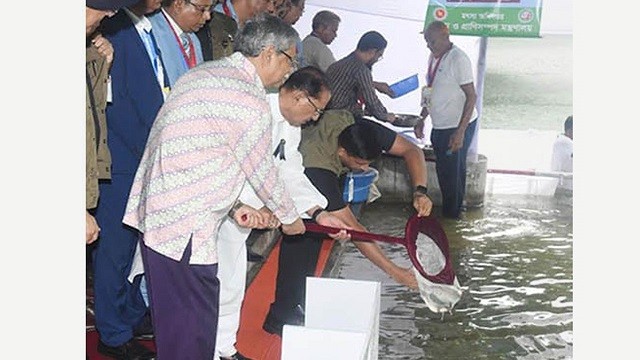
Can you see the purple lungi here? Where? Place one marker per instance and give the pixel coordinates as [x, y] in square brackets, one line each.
[184, 305]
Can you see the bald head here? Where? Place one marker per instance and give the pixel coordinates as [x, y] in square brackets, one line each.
[437, 27]
[436, 34]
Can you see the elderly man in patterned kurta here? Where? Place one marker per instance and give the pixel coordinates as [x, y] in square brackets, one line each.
[211, 138]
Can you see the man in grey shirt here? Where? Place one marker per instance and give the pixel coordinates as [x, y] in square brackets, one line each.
[324, 29]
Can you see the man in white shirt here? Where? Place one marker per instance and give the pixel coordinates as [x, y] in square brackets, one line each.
[302, 98]
[562, 156]
[450, 98]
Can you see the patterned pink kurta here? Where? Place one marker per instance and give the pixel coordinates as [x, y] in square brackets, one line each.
[211, 135]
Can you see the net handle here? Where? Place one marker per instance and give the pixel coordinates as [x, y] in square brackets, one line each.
[365, 236]
[356, 235]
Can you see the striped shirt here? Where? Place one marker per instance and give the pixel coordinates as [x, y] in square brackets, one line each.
[211, 135]
[351, 79]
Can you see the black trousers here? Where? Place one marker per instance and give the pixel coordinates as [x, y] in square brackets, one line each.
[298, 259]
[451, 168]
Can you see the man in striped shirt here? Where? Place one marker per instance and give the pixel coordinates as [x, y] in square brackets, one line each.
[211, 138]
[352, 84]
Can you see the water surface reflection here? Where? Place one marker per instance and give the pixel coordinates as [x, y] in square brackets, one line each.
[514, 259]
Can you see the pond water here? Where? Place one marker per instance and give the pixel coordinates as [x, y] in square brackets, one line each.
[514, 259]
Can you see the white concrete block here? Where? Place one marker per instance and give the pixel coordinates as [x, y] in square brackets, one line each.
[338, 308]
[300, 342]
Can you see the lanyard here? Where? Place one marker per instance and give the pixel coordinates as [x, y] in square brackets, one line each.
[432, 71]
[190, 58]
[226, 10]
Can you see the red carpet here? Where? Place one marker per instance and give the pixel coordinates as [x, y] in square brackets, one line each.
[254, 342]
[92, 346]
[92, 334]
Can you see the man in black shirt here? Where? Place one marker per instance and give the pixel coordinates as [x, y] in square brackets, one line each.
[330, 147]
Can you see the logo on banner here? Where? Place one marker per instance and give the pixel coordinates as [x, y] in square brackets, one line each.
[440, 14]
[525, 16]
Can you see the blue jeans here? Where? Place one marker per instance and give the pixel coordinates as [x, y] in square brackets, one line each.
[451, 168]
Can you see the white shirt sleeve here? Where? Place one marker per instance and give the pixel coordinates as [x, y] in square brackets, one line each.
[305, 195]
[463, 70]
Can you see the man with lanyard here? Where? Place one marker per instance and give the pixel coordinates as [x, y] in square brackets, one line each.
[139, 89]
[173, 29]
[450, 99]
[117, 328]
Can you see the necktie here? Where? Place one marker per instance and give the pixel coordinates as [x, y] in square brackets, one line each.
[185, 41]
[154, 55]
[152, 50]
[189, 53]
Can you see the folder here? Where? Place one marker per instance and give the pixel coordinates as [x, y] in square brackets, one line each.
[405, 86]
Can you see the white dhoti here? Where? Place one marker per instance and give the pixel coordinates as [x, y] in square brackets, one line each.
[232, 272]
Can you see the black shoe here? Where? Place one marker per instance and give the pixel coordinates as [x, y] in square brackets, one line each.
[144, 330]
[236, 356]
[274, 326]
[254, 257]
[131, 350]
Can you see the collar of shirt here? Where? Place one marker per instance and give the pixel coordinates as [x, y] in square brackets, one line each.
[274, 105]
[141, 23]
[353, 58]
[220, 9]
[173, 24]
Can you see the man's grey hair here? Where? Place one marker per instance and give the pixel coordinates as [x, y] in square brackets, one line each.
[262, 31]
[324, 18]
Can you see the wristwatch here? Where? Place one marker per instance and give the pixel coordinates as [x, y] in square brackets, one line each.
[315, 214]
[421, 190]
[236, 206]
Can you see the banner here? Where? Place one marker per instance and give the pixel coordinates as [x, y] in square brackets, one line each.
[491, 18]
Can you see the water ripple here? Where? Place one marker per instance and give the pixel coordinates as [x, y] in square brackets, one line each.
[515, 263]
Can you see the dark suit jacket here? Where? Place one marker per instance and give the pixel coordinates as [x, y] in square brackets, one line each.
[136, 95]
[136, 99]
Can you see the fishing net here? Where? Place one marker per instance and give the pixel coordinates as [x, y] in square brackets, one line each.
[428, 249]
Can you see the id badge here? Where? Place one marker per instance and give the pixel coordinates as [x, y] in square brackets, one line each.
[425, 101]
[109, 93]
[165, 92]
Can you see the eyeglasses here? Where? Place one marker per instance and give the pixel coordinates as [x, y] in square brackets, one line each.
[319, 111]
[294, 62]
[202, 8]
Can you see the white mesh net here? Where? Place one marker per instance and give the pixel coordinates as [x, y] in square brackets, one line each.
[440, 298]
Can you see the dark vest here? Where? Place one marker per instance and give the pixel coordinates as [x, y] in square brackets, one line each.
[216, 36]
